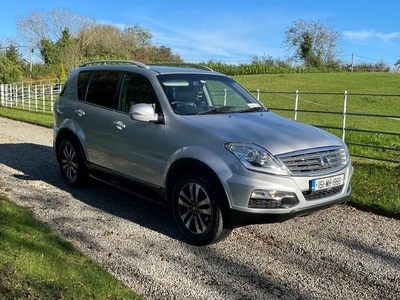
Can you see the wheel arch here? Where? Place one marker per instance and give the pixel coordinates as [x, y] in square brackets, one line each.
[184, 166]
[62, 135]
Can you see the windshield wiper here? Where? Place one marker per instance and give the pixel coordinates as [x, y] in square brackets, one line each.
[251, 109]
[217, 110]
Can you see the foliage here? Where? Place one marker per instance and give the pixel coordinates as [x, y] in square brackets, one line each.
[63, 76]
[51, 52]
[69, 38]
[9, 70]
[313, 43]
[268, 66]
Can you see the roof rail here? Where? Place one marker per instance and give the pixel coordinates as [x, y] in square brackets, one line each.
[116, 62]
[187, 65]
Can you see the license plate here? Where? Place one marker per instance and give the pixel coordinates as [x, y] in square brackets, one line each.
[327, 182]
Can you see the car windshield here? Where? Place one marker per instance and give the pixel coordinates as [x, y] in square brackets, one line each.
[199, 94]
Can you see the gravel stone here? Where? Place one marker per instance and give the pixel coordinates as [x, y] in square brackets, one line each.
[339, 253]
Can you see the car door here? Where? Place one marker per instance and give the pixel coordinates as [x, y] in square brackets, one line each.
[138, 146]
[97, 92]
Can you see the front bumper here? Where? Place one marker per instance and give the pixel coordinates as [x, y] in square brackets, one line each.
[239, 183]
[239, 218]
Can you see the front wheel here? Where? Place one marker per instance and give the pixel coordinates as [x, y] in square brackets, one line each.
[196, 210]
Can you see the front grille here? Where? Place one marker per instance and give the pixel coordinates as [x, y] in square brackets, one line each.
[323, 193]
[315, 161]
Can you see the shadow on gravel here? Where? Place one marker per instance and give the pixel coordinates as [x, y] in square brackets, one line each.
[37, 162]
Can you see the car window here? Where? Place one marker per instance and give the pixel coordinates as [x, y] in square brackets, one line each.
[135, 89]
[102, 88]
[83, 80]
[191, 94]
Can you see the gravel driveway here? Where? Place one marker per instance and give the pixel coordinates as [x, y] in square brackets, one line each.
[340, 253]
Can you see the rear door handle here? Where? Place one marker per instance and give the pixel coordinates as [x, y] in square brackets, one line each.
[80, 112]
[119, 124]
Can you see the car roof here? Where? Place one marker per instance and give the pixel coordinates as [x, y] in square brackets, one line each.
[161, 68]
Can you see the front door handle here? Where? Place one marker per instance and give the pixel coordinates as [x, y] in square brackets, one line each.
[119, 124]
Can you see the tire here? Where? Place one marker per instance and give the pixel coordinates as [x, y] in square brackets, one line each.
[72, 164]
[196, 210]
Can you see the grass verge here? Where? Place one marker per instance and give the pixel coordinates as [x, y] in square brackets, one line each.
[35, 263]
[37, 118]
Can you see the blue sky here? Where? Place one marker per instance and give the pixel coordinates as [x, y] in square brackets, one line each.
[234, 31]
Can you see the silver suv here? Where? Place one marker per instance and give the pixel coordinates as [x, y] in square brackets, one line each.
[196, 140]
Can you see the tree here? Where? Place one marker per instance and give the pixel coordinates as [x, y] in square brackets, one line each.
[35, 27]
[50, 51]
[9, 71]
[67, 38]
[313, 43]
[397, 64]
[12, 53]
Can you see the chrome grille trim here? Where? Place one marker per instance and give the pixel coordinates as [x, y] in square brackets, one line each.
[309, 162]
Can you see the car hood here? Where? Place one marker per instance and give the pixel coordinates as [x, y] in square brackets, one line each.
[275, 133]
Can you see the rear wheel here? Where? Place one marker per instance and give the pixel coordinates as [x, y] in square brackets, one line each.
[196, 210]
[72, 164]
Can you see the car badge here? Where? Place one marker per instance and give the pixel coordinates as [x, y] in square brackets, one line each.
[324, 161]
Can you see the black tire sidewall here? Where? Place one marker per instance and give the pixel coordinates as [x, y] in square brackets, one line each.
[216, 226]
[80, 178]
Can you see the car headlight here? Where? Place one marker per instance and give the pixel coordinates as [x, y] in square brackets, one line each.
[256, 158]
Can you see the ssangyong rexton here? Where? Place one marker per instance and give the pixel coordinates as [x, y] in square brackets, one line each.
[196, 140]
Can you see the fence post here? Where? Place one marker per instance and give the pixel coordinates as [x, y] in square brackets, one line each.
[29, 97]
[258, 94]
[36, 99]
[225, 97]
[44, 97]
[296, 103]
[2, 93]
[16, 95]
[22, 96]
[10, 94]
[344, 116]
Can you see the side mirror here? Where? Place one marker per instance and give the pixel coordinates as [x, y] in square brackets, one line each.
[143, 112]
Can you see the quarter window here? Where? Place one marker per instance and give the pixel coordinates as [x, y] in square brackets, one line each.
[83, 80]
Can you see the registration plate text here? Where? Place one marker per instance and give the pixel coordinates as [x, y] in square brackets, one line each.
[327, 182]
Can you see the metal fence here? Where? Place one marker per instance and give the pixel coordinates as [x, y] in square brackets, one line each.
[28, 96]
[377, 137]
[373, 131]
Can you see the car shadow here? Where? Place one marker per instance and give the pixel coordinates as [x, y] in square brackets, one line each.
[37, 162]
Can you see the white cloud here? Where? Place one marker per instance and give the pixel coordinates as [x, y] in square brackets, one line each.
[203, 41]
[363, 35]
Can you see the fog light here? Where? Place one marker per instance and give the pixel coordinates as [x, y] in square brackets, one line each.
[272, 199]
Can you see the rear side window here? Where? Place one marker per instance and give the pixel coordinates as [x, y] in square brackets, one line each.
[102, 88]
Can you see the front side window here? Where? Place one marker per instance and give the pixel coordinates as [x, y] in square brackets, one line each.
[102, 88]
[135, 89]
[196, 94]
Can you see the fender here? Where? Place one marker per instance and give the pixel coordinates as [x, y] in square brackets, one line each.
[69, 125]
